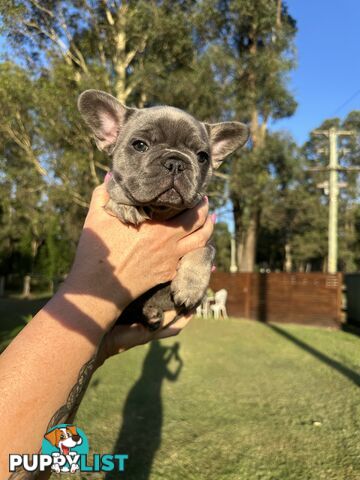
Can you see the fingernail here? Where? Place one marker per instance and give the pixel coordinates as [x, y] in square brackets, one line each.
[213, 268]
[213, 218]
[107, 177]
[206, 199]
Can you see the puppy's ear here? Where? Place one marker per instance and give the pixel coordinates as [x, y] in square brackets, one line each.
[104, 115]
[52, 437]
[72, 429]
[225, 138]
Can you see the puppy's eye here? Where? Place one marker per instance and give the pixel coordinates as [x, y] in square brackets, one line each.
[140, 146]
[202, 157]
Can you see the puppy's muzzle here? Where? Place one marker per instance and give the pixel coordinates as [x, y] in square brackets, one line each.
[174, 165]
[175, 162]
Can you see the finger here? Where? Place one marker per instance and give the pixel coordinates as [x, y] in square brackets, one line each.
[175, 328]
[168, 317]
[99, 197]
[191, 219]
[124, 337]
[197, 239]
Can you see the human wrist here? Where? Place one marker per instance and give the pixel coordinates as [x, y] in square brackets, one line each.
[100, 305]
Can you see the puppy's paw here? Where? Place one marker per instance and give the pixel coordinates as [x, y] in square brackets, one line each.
[188, 290]
[154, 317]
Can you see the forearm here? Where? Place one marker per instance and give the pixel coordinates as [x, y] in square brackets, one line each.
[45, 370]
[47, 367]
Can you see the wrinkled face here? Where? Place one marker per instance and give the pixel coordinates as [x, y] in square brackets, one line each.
[162, 158]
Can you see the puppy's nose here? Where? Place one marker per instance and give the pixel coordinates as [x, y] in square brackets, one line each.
[76, 438]
[174, 165]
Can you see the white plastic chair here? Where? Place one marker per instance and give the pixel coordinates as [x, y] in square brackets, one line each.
[203, 309]
[199, 311]
[219, 307]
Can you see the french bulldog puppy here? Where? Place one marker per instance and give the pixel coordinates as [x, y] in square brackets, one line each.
[163, 159]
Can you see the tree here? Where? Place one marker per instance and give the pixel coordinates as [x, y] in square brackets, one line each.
[21, 174]
[253, 44]
[143, 52]
[221, 239]
[293, 219]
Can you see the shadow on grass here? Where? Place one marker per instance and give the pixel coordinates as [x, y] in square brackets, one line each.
[350, 328]
[140, 433]
[345, 371]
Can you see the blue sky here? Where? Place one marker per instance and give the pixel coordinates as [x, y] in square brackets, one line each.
[328, 71]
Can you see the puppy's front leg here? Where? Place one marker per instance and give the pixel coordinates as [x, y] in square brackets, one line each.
[192, 277]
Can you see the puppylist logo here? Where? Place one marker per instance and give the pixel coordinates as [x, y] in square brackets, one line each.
[65, 449]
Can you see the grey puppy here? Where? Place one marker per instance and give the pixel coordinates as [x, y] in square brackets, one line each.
[163, 159]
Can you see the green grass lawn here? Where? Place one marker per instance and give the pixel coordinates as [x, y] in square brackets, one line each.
[232, 399]
[229, 399]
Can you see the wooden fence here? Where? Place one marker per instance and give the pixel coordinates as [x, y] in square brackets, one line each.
[307, 298]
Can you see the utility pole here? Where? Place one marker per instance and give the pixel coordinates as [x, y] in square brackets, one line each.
[333, 187]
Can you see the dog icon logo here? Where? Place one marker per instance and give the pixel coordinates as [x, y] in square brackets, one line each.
[64, 438]
[65, 443]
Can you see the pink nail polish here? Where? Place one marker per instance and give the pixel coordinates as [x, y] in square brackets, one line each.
[107, 177]
[213, 218]
[213, 268]
[206, 199]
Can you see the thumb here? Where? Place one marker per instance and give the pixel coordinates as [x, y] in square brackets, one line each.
[99, 197]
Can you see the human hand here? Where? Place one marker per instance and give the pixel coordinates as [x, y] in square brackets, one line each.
[118, 263]
[123, 337]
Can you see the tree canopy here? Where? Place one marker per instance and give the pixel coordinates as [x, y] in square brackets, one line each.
[218, 60]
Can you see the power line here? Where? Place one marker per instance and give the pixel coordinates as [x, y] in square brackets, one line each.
[346, 102]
